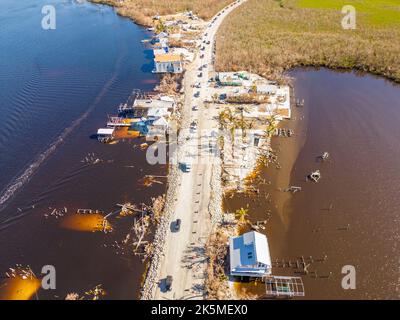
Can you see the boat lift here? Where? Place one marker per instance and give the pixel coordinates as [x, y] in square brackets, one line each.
[284, 287]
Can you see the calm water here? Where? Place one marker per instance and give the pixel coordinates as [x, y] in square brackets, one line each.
[56, 88]
[351, 217]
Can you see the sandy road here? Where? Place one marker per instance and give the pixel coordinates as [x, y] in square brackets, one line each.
[184, 257]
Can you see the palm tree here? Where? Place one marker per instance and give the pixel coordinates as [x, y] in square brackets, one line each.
[271, 125]
[242, 215]
[160, 27]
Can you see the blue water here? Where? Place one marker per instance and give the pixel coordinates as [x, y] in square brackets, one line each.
[56, 89]
[51, 78]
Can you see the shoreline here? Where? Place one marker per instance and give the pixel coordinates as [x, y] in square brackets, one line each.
[205, 10]
[115, 6]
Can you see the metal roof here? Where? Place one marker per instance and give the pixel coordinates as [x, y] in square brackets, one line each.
[248, 250]
[105, 131]
[167, 58]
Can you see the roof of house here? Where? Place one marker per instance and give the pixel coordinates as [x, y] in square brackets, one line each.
[160, 122]
[153, 103]
[167, 58]
[283, 112]
[249, 249]
[266, 88]
[105, 131]
[158, 52]
[157, 112]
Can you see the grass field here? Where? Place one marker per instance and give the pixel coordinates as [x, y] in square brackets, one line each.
[375, 12]
[271, 36]
[141, 11]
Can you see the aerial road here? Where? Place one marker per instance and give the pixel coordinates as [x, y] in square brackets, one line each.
[184, 258]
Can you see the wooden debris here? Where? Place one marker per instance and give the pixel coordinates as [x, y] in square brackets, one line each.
[57, 213]
[293, 189]
[314, 176]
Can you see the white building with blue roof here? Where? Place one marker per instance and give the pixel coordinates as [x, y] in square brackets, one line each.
[249, 255]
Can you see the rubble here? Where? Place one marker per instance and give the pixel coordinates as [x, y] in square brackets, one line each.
[314, 176]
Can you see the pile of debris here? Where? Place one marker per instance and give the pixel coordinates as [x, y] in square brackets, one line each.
[314, 176]
[57, 213]
[285, 133]
[92, 159]
[20, 271]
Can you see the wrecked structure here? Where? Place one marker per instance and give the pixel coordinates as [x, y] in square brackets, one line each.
[143, 115]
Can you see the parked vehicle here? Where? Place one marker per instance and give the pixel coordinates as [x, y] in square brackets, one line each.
[168, 283]
[185, 166]
[195, 108]
[177, 225]
[193, 126]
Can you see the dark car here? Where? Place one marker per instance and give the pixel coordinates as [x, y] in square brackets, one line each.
[177, 225]
[168, 283]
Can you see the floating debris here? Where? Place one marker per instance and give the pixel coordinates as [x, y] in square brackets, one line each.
[89, 211]
[324, 156]
[57, 213]
[149, 180]
[143, 146]
[128, 209]
[345, 228]
[92, 159]
[293, 189]
[314, 176]
[259, 225]
[95, 293]
[285, 133]
[299, 103]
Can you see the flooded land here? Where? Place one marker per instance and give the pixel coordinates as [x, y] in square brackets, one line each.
[350, 216]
